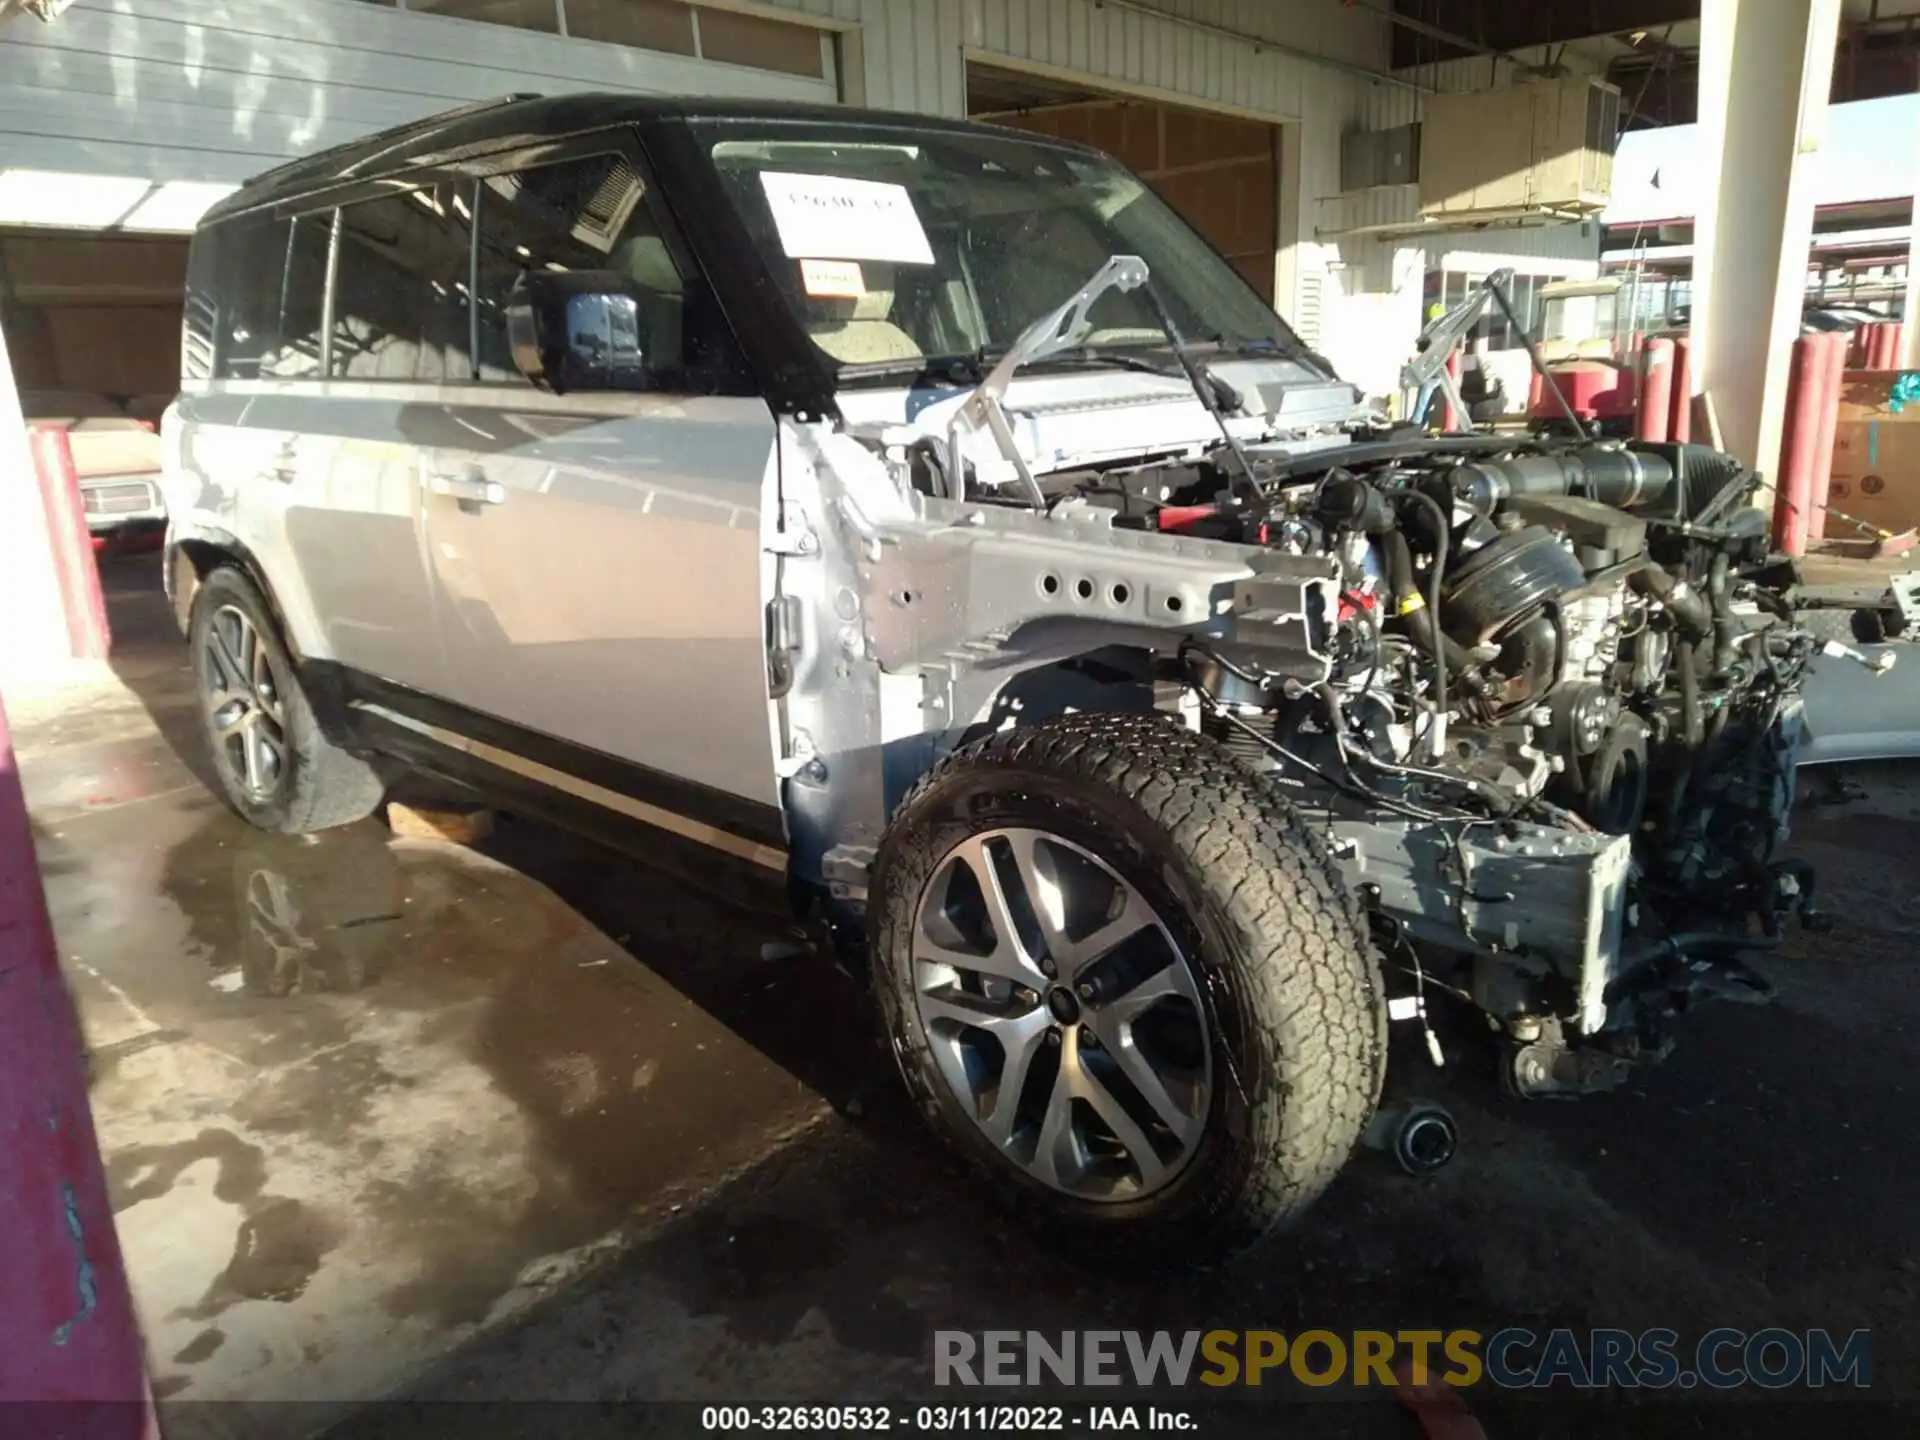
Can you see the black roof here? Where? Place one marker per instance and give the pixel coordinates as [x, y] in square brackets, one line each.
[517, 120]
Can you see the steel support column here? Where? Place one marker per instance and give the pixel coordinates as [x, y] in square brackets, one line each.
[1765, 69]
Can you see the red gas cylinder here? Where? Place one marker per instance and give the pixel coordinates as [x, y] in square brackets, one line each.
[1680, 413]
[1654, 410]
[1596, 390]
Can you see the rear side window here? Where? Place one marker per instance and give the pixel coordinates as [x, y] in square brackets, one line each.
[422, 275]
[400, 287]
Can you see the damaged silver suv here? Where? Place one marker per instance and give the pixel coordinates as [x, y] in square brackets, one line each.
[924, 514]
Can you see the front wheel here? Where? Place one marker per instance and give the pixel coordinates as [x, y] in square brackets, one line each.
[1116, 971]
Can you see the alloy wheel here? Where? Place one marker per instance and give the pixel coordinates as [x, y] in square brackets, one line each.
[244, 703]
[1062, 1014]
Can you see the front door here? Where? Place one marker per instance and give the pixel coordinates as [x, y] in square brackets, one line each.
[598, 556]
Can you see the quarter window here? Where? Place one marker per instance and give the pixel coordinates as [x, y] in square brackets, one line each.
[233, 296]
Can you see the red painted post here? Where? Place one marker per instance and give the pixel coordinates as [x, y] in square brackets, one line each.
[1832, 371]
[1793, 491]
[1656, 390]
[1880, 352]
[1680, 411]
[87, 633]
[70, 1353]
[1857, 348]
[1896, 344]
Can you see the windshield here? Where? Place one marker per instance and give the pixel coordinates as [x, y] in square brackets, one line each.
[1574, 319]
[896, 245]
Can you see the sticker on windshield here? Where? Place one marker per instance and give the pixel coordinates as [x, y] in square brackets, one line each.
[833, 279]
[833, 218]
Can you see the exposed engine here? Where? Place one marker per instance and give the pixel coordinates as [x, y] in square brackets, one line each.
[1535, 648]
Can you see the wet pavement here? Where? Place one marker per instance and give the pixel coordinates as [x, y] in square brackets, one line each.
[358, 1095]
[389, 1116]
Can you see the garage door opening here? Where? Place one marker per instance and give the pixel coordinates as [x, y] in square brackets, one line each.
[94, 320]
[1222, 173]
[93, 331]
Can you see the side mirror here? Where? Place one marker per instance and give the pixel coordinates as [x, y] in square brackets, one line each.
[577, 330]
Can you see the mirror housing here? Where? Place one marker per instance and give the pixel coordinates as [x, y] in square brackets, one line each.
[578, 330]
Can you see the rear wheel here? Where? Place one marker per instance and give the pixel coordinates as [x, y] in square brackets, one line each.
[273, 763]
[1117, 973]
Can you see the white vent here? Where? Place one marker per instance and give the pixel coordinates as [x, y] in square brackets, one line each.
[1308, 307]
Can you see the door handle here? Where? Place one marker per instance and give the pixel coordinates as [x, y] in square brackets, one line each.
[469, 488]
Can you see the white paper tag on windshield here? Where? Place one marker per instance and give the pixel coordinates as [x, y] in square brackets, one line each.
[833, 279]
[832, 218]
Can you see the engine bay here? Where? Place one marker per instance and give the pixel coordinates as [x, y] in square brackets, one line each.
[1554, 721]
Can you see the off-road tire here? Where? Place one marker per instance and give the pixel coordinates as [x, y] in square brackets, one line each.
[322, 785]
[1297, 1018]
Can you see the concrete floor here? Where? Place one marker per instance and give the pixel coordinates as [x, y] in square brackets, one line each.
[392, 1117]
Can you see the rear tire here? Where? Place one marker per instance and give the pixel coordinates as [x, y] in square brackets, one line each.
[274, 764]
[1285, 991]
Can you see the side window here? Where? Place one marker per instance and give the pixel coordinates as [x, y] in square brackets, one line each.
[573, 215]
[233, 297]
[400, 287]
[593, 213]
[303, 287]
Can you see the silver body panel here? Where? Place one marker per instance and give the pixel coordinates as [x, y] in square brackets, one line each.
[1854, 713]
[606, 589]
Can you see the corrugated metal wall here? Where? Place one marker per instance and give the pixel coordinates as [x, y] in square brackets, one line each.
[213, 90]
[914, 51]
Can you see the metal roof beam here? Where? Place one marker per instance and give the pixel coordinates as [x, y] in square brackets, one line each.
[1476, 27]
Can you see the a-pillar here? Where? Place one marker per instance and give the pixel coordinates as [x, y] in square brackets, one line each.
[33, 620]
[1765, 69]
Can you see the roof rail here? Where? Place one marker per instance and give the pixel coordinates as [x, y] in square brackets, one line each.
[421, 128]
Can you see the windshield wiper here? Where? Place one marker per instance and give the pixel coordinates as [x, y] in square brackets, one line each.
[954, 369]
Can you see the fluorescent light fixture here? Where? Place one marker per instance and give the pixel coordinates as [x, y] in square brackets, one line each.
[104, 202]
[177, 205]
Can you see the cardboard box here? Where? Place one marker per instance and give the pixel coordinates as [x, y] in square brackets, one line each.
[1876, 456]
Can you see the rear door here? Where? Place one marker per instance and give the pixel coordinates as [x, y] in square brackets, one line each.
[397, 337]
[324, 474]
[598, 556]
[262, 445]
